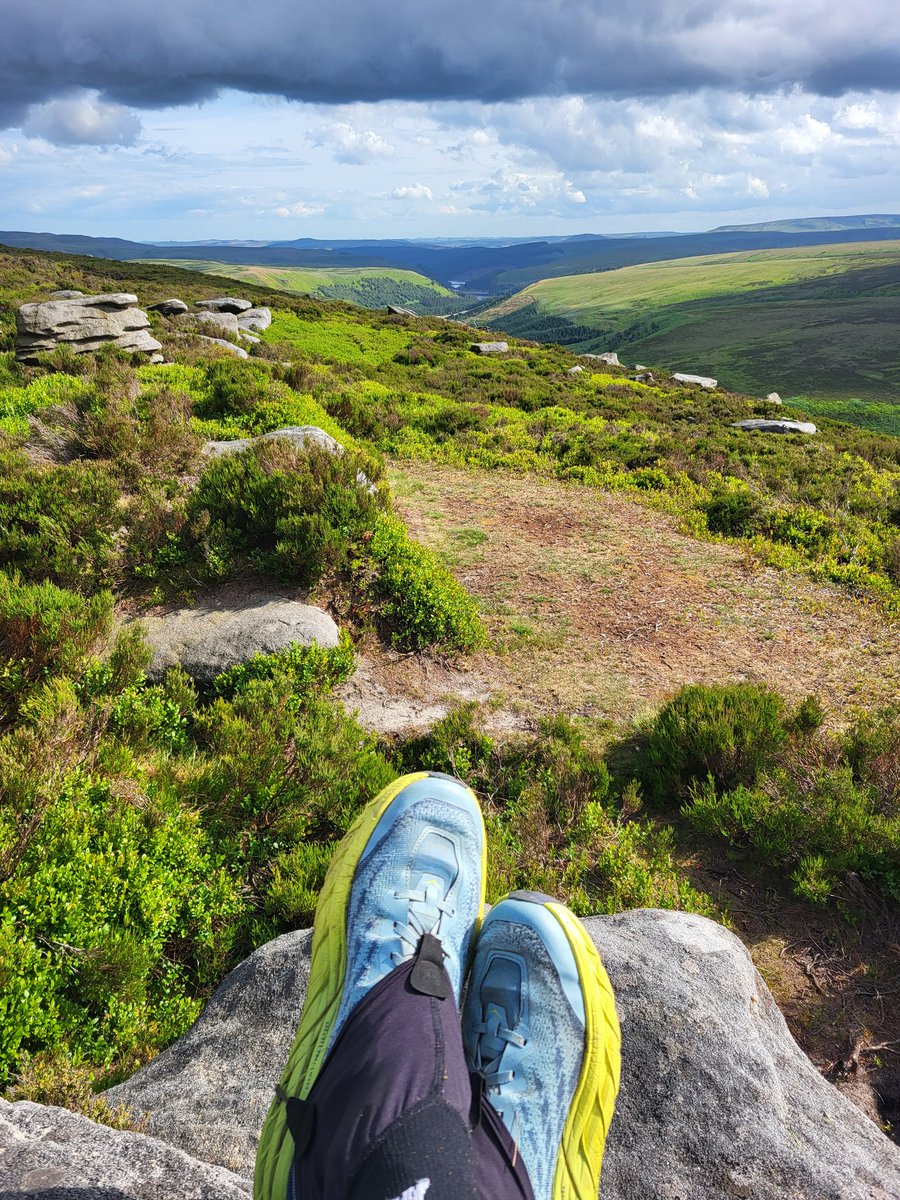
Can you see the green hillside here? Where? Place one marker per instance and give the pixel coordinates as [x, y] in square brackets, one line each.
[818, 322]
[493, 522]
[371, 287]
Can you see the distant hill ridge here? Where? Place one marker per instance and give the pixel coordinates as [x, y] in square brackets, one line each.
[489, 267]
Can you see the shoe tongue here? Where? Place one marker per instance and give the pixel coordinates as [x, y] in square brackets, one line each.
[501, 995]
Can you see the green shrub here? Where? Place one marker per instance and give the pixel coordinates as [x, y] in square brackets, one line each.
[729, 732]
[422, 601]
[294, 512]
[305, 670]
[732, 513]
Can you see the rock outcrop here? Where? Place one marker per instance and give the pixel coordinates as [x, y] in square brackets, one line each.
[210, 638]
[717, 1099]
[224, 304]
[66, 294]
[300, 435]
[397, 311]
[609, 357]
[52, 1154]
[85, 323]
[257, 319]
[767, 425]
[489, 347]
[774, 398]
[168, 308]
[704, 381]
[576, 370]
[237, 351]
[210, 322]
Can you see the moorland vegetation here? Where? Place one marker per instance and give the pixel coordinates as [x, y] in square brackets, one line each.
[152, 833]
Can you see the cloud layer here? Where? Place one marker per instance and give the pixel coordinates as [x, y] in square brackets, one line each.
[370, 50]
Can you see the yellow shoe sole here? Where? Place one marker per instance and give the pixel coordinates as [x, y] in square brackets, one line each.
[584, 1134]
[328, 967]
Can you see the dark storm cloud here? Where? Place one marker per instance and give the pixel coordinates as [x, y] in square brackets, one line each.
[348, 50]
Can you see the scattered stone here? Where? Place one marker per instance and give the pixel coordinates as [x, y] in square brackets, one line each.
[224, 304]
[640, 367]
[774, 398]
[717, 1099]
[211, 322]
[256, 318]
[300, 435]
[397, 311]
[645, 377]
[490, 347]
[156, 359]
[168, 308]
[85, 323]
[207, 640]
[52, 1154]
[769, 425]
[609, 357]
[249, 337]
[237, 351]
[576, 370]
[704, 381]
[66, 294]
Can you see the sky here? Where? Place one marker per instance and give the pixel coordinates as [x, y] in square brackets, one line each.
[407, 118]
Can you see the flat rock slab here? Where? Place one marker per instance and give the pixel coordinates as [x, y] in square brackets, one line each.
[53, 1154]
[763, 425]
[300, 435]
[207, 640]
[256, 318]
[224, 304]
[704, 381]
[85, 323]
[66, 294]
[609, 357]
[397, 311]
[717, 1099]
[237, 351]
[489, 347]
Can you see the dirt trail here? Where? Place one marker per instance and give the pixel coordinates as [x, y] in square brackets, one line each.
[603, 609]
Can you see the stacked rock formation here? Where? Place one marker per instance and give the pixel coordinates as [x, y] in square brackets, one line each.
[86, 323]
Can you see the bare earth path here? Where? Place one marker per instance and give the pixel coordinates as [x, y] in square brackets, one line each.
[604, 609]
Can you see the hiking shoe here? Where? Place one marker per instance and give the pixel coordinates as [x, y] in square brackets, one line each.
[413, 863]
[540, 1027]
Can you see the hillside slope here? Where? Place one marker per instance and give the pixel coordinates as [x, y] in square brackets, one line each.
[816, 323]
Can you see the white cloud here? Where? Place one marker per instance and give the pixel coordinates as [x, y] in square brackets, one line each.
[8, 151]
[356, 146]
[413, 191]
[757, 187]
[82, 120]
[299, 210]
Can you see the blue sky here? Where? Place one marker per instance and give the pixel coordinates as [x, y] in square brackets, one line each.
[378, 120]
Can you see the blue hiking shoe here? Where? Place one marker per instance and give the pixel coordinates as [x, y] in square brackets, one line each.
[540, 1027]
[412, 864]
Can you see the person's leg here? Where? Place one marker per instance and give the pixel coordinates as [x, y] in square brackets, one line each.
[375, 1097]
[541, 1032]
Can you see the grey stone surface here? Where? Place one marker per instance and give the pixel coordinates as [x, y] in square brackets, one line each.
[576, 370]
[769, 425]
[210, 322]
[66, 294]
[168, 308]
[717, 1099]
[397, 311]
[644, 377]
[704, 381]
[52, 1154]
[249, 337]
[237, 351]
[85, 323]
[300, 435]
[609, 357]
[256, 318]
[210, 638]
[490, 347]
[774, 398]
[210, 1091]
[224, 304]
